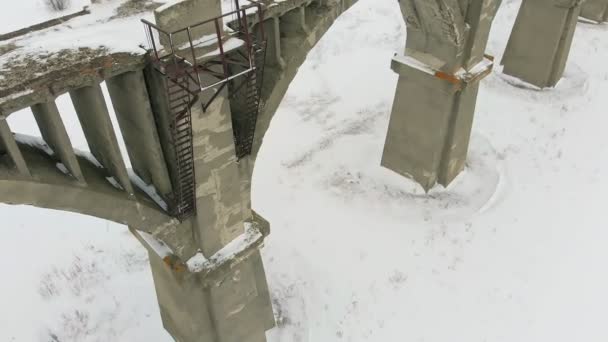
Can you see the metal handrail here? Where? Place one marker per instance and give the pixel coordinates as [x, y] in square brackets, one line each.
[169, 54]
[244, 8]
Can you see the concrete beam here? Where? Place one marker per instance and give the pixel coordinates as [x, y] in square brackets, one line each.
[134, 113]
[95, 120]
[55, 135]
[540, 42]
[596, 10]
[273, 43]
[9, 146]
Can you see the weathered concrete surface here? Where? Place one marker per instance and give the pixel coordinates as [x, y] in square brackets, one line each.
[227, 301]
[55, 135]
[220, 211]
[26, 81]
[8, 146]
[540, 42]
[430, 125]
[48, 187]
[134, 113]
[319, 17]
[273, 43]
[432, 115]
[448, 35]
[178, 14]
[596, 10]
[94, 118]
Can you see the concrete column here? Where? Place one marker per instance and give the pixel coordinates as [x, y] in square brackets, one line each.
[540, 42]
[294, 22]
[218, 196]
[432, 115]
[134, 113]
[273, 43]
[55, 135]
[9, 146]
[596, 10]
[95, 120]
[221, 298]
[231, 306]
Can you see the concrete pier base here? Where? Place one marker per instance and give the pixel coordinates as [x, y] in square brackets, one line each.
[596, 10]
[540, 42]
[223, 298]
[430, 125]
[432, 115]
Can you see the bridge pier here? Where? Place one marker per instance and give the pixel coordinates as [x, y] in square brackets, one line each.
[431, 119]
[596, 10]
[540, 42]
[8, 147]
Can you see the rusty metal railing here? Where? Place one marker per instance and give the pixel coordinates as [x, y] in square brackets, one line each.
[163, 49]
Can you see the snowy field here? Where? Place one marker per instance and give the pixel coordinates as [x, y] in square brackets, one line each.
[514, 250]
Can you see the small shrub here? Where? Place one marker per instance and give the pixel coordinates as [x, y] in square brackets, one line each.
[57, 5]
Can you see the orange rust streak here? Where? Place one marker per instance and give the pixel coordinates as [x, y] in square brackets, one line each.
[447, 77]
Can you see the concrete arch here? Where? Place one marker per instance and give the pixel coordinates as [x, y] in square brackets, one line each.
[48, 187]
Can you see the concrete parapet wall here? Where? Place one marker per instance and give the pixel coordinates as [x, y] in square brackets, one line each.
[178, 14]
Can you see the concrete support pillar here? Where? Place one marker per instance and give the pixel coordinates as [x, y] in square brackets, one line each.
[9, 146]
[596, 10]
[55, 135]
[432, 114]
[273, 45]
[134, 113]
[232, 305]
[220, 210]
[294, 22]
[94, 118]
[540, 42]
[216, 303]
[221, 298]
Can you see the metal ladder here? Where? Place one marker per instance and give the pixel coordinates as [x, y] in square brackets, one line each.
[182, 93]
[244, 127]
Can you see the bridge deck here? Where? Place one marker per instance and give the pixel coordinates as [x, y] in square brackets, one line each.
[44, 64]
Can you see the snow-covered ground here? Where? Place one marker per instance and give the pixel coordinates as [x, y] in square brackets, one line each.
[514, 250]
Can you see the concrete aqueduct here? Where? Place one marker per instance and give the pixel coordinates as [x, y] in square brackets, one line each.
[193, 112]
